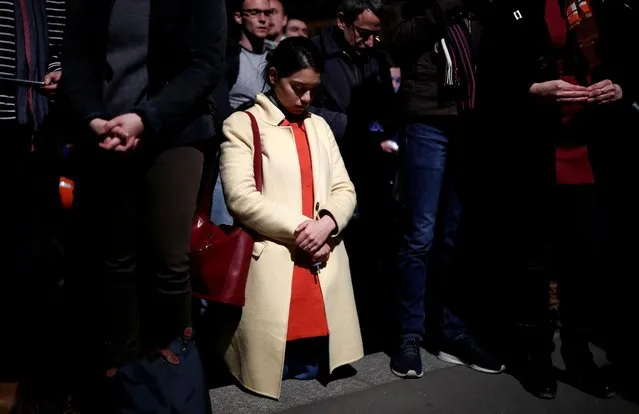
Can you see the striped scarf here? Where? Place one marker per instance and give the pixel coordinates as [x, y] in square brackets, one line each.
[11, 36]
[460, 69]
[32, 56]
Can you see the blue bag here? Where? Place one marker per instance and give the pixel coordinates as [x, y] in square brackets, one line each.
[154, 386]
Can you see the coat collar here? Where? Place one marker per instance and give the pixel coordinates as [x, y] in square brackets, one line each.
[268, 111]
[270, 114]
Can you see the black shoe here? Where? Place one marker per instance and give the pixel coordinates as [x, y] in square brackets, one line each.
[533, 359]
[587, 375]
[406, 362]
[465, 351]
[537, 374]
[539, 380]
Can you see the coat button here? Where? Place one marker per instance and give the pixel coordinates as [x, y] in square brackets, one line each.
[316, 206]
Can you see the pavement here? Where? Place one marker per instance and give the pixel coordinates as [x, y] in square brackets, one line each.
[369, 387]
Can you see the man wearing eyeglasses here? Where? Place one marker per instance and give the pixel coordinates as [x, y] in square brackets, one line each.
[352, 62]
[243, 80]
[356, 93]
[245, 65]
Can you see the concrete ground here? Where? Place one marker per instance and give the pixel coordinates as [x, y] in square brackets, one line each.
[371, 388]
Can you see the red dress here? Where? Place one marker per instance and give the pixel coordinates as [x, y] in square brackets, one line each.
[307, 316]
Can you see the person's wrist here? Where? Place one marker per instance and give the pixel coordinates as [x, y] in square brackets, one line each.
[329, 222]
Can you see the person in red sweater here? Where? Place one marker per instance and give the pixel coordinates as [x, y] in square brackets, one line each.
[557, 62]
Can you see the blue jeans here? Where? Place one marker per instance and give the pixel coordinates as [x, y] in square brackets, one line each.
[219, 212]
[431, 201]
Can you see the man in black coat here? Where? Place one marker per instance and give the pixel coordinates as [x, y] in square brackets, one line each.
[355, 96]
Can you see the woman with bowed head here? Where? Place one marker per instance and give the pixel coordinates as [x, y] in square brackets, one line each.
[300, 319]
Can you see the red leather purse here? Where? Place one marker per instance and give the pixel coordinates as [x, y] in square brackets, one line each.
[220, 257]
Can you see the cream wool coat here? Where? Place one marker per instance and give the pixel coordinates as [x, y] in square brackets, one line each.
[256, 352]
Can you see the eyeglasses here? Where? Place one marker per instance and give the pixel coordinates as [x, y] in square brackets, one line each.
[257, 12]
[365, 34]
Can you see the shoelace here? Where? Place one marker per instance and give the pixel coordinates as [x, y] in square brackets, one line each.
[410, 347]
[472, 345]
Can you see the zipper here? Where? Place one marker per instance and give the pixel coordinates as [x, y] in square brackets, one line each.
[358, 76]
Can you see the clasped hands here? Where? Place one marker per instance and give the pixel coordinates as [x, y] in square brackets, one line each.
[121, 134]
[563, 92]
[311, 237]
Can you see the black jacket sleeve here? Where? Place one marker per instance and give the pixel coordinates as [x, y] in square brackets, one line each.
[81, 83]
[172, 107]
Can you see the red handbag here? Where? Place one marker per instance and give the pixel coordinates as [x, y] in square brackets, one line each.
[220, 257]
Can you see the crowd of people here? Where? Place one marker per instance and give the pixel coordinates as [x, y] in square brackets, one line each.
[426, 169]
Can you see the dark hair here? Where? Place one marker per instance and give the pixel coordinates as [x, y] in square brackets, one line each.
[238, 5]
[284, 7]
[292, 55]
[351, 9]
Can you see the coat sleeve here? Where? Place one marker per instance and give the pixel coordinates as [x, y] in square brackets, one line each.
[250, 207]
[338, 121]
[81, 84]
[342, 199]
[171, 109]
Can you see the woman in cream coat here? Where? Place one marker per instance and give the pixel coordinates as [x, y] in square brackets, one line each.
[256, 354]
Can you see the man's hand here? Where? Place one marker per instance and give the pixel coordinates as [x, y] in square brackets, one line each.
[390, 147]
[97, 125]
[125, 131]
[560, 91]
[311, 235]
[130, 124]
[51, 81]
[99, 128]
[115, 138]
[604, 92]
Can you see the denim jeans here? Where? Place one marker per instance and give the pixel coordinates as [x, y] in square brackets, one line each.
[431, 197]
[219, 212]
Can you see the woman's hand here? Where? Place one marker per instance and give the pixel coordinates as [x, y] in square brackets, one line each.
[604, 92]
[560, 91]
[322, 255]
[311, 235]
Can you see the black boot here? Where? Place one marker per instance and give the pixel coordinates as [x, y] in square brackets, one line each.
[581, 366]
[537, 373]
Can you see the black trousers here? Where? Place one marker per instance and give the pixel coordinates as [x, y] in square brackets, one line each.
[579, 256]
[28, 281]
[576, 256]
[134, 214]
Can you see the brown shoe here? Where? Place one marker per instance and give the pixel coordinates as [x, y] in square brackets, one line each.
[8, 397]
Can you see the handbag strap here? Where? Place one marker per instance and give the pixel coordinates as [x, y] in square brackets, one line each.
[206, 200]
[257, 153]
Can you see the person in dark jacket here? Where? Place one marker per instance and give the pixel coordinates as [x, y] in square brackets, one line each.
[354, 97]
[30, 43]
[138, 76]
[356, 81]
[566, 80]
[434, 44]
